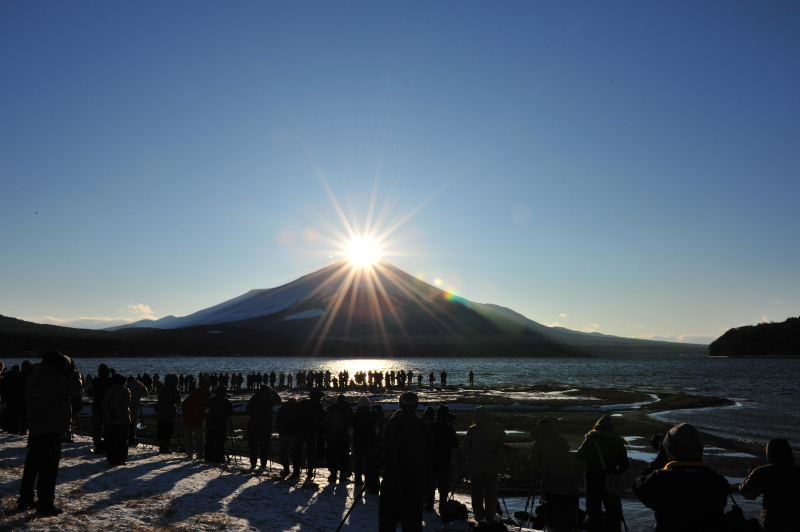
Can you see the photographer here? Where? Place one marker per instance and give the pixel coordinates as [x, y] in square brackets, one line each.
[437, 466]
[51, 385]
[685, 493]
[779, 481]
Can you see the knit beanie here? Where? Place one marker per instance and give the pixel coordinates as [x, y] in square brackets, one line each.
[684, 442]
[605, 422]
[364, 401]
[481, 414]
[779, 452]
[409, 401]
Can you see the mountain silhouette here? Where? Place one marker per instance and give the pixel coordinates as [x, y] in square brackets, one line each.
[381, 311]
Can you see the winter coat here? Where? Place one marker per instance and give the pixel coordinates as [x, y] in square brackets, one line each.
[364, 435]
[286, 417]
[613, 448]
[48, 395]
[194, 408]
[444, 441]
[550, 453]
[116, 405]
[310, 415]
[100, 385]
[220, 409]
[260, 408]
[138, 391]
[482, 443]
[13, 387]
[686, 496]
[167, 405]
[338, 419]
[406, 443]
[780, 484]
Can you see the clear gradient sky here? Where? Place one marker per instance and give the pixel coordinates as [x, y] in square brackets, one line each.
[629, 168]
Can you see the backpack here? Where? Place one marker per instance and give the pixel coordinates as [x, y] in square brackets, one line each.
[454, 511]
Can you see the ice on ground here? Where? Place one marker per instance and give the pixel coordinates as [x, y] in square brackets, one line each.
[174, 493]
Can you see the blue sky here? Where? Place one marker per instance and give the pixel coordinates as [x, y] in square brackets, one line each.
[628, 168]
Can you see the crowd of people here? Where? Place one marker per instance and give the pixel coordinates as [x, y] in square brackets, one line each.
[405, 458]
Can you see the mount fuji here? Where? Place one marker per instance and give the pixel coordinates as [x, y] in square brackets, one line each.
[381, 311]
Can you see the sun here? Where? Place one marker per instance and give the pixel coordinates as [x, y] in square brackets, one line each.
[363, 252]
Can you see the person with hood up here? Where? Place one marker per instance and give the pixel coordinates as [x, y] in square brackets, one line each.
[116, 407]
[169, 397]
[437, 466]
[338, 420]
[259, 428]
[308, 424]
[550, 455]
[194, 416]
[483, 447]
[686, 494]
[779, 482]
[363, 439]
[138, 391]
[48, 392]
[220, 410]
[604, 452]
[406, 443]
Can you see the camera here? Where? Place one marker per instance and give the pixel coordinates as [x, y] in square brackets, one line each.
[655, 441]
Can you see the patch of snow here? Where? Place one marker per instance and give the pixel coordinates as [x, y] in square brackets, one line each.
[313, 313]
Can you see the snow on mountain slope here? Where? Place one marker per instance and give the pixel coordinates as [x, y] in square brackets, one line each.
[323, 285]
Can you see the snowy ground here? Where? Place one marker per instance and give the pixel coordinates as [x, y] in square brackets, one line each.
[170, 493]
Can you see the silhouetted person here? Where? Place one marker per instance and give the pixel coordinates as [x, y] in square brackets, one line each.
[481, 445]
[220, 410]
[169, 397]
[406, 443]
[431, 379]
[138, 391]
[285, 421]
[116, 407]
[48, 391]
[686, 494]
[603, 441]
[471, 378]
[338, 420]
[437, 466]
[363, 439]
[308, 424]
[443, 378]
[779, 482]
[12, 393]
[550, 455]
[259, 428]
[194, 418]
[374, 455]
[100, 385]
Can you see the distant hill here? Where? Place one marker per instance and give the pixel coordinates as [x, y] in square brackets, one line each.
[764, 339]
[340, 311]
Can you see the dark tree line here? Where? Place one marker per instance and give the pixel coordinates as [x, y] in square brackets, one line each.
[764, 339]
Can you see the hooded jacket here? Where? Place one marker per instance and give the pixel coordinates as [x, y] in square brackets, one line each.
[48, 393]
[116, 405]
[612, 446]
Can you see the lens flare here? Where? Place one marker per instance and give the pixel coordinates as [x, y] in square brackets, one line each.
[363, 253]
